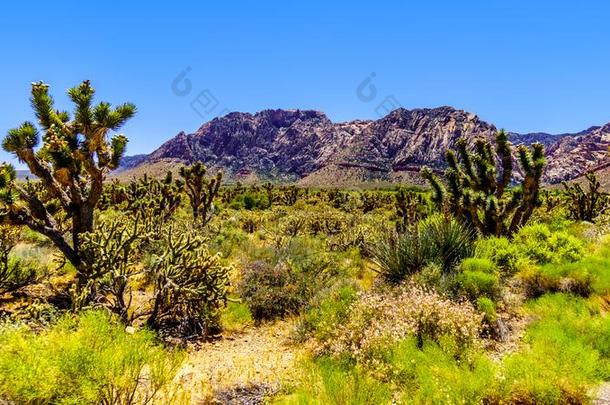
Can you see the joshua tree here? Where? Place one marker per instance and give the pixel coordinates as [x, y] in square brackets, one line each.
[586, 205]
[478, 195]
[200, 190]
[71, 165]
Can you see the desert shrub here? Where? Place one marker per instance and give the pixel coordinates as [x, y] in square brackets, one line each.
[475, 284]
[533, 243]
[84, 360]
[502, 252]
[538, 280]
[538, 243]
[326, 381]
[250, 201]
[14, 274]
[280, 282]
[272, 291]
[432, 374]
[398, 256]
[435, 240]
[327, 310]
[377, 320]
[483, 265]
[488, 308]
[567, 353]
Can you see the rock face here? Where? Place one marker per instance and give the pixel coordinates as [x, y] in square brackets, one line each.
[293, 144]
[572, 156]
[301, 145]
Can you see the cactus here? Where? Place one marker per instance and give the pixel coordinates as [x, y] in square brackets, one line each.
[113, 251]
[289, 195]
[268, 187]
[152, 198]
[71, 164]
[410, 208]
[200, 190]
[190, 285]
[586, 205]
[479, 196]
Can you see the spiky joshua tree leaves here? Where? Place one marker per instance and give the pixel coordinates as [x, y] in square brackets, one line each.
[586, 205]
[478, 184]
[200, 190]
[71, 164]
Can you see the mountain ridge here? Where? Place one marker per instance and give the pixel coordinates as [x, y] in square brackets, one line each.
[300, 145]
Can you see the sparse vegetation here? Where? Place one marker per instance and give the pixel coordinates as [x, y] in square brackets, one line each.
[474, 294]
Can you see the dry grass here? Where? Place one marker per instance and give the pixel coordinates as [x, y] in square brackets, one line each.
[261, 356]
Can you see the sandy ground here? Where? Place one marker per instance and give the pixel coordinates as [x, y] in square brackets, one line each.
[245, 365]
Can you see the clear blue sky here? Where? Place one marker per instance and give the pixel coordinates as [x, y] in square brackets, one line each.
[522, 65]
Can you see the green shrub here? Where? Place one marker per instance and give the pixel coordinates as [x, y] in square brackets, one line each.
[488, 308]
[533, 243]
[475, 284]
[501, 251]
[435, 240]
[445, 241]
[483, 265]
[567, 352]
[84, 360]
[432, 374]
[542, 246]
[570, 278]
[273, 291]
[13, 273]
[326, 381]
[327, 310]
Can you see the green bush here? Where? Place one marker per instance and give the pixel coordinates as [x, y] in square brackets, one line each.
[501, 251]
[432, 374]
[84, 360]
[281, 281]
[475, 284]
[326, 381]
[570, 278]
[479, 264]
[488, 308]
[435, 240]
[567, 352]
[539, 244]
[272, 291]
[327, 310]
[533, 243]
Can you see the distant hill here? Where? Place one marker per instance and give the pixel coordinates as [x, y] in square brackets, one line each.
[306, 146]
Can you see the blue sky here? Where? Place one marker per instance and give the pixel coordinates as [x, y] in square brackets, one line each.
[522, 65]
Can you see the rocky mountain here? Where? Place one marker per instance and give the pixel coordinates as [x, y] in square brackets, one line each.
[544, 138]
[306, 146]
[295, 144]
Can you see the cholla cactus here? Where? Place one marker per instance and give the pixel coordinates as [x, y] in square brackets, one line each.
[200, 190]
[152, 198]
[71, 165]
[410, 208]
[190, 285]
[589, 205]
[478, 195]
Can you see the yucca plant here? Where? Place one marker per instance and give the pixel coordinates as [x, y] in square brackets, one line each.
[439, 239]
[445, 241]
